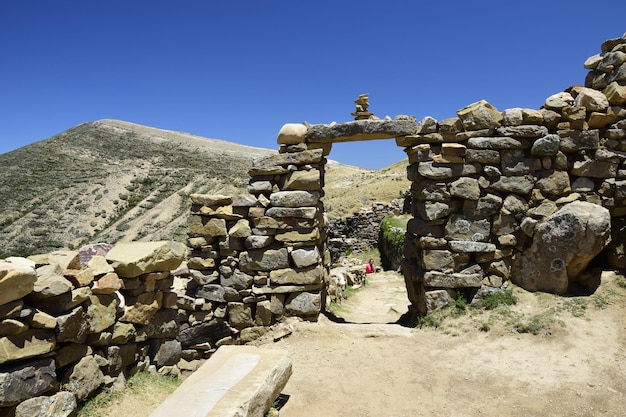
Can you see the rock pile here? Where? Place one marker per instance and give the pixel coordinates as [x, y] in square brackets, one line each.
[79, 320]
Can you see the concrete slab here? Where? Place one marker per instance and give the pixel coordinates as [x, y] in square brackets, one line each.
[237, 381]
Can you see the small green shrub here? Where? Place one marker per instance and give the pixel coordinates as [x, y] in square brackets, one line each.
[500, 298]
[429, 321]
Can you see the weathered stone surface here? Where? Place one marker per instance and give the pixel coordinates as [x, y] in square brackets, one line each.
[466, 188]
[258, 242]
[360, 130]
[11, 327]
[301, 212]
[440, 260]
[471, 246]
[423, 228]
[210, 332]
[79, 277]
[26, 380]
[576, 140]
[309, 180]
[234, 278]
[479, 115]
[144, 308]
[72, 327]
[430, 190]
[519, 185]
[101, 313]
[203, 226]
[237, 381]
[616, 94]
[434, 171]
[306, 256]
[591, 100]
[119, 357]
[212, 292]
[482, 156]
[555, 184]
[16, 280]
[263, 260]
[107, 284]
[285, 159]
[292, 133]
[437, 299]
[546, 146]
[497, 143]
[165, 352]
[49, 284]
[300, 276]
[436, 279]
[240, 315]
[524, 131]
[211, 199]
[295, 199]
[595, 169]
[84, 378]
[263, 316]
[241, 229]
[487, 205]
[61, 404]
[133, 259]
[562, 247]
[303, 304]
[27, 344]
[433, 210]
[41, 320]
[461, 228]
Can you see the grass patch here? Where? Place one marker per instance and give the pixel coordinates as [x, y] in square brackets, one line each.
[494, 300]
[142, 387]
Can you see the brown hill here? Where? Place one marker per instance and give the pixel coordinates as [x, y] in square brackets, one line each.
[110, 181]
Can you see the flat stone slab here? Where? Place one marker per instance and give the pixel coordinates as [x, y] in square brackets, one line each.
[237, 381]
[360, 130]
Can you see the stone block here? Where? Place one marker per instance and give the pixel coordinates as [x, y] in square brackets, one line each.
[136, 258]
[292, 133]
[237, 381]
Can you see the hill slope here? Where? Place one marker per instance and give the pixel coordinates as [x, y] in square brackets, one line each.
[110, 181]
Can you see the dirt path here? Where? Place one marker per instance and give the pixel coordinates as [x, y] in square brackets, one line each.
[575, 366]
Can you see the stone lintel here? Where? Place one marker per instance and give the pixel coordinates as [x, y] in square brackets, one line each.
[235, 381]
[360, 130]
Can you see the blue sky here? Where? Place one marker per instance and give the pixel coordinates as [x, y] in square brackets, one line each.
[239, 70]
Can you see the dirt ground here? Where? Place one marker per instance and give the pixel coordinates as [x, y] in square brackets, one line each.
[368, 366]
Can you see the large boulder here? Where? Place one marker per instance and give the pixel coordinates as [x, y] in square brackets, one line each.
[17, 279]
[136, 258]
[563, 245]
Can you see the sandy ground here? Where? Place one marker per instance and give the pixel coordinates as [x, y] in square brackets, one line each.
[369, 367]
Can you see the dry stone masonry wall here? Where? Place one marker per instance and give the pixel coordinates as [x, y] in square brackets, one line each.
[523, 195]
[75, 321]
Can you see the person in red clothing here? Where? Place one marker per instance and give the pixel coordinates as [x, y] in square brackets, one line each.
[369, 267]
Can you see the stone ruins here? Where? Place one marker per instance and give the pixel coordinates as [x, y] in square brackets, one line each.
[521, 195]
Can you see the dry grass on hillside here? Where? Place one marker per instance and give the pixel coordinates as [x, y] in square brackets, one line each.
[348, 188]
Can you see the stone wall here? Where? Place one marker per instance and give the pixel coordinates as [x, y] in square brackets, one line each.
[72, 322]
[485, 182]
[258, 257]
[360, 231]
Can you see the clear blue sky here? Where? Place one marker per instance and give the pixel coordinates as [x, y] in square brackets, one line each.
[239, 70]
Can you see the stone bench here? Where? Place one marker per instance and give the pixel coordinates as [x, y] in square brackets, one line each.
[236, 381]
